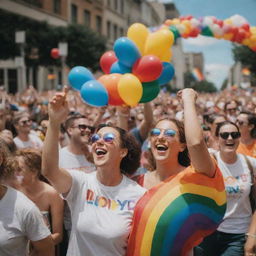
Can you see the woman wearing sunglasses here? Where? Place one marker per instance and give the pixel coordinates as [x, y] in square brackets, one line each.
[230, 237]
[246, 121]
[101, 202]
[174, 188]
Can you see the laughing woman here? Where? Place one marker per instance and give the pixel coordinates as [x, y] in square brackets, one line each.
[101, 202]
[184, 202]
[230, 237]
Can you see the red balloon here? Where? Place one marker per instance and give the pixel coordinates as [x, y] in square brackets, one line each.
[246, 27]
[147, 68]
[240, 35]
[106, 61]
[194, 32]
[55, 53]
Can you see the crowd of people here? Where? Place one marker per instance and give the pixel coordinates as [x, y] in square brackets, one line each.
[80, 180]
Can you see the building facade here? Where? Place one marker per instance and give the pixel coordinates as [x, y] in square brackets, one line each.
[110, 18]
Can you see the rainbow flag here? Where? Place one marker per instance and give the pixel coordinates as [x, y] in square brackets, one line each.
[175, 216]
[197, 74]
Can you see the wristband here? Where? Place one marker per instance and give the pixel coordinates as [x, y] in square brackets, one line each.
[251, 235]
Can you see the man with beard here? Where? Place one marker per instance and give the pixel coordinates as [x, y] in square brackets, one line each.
[76, 155]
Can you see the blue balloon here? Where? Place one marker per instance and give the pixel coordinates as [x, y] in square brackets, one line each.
[78, 76]
[117, 67]
[126, 51]
[94, 93]
[167, 73]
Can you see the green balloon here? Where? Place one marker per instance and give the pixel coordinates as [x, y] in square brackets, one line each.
[175, 32]
[206, 31]
[150, 91]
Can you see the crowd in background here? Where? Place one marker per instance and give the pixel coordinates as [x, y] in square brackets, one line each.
[24, 120]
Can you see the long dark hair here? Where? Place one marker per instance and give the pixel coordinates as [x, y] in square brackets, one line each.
[183, 157]
[131, 162]
[217, 131]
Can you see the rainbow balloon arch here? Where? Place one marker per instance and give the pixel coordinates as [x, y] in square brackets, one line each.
[141, 62]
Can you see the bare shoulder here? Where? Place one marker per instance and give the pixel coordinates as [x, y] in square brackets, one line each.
[50, 190]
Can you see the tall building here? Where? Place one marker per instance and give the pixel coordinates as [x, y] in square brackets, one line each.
[194, 60]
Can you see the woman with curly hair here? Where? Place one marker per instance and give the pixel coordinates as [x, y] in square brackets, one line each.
[101, 202]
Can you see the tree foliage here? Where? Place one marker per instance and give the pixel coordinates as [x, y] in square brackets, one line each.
[205, 86]
[84, 45]
[224, 85]
[200, 86]
[246, 56]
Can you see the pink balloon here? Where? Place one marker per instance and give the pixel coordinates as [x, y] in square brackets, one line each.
[147, 68]
[106, 61]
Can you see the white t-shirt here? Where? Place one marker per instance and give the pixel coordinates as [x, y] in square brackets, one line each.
[20, 221]
[101, 215]
[70, 161]
[237, 179]
[32, 142]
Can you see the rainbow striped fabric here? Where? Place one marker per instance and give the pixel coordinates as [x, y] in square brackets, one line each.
[197, 74]
[174, 217]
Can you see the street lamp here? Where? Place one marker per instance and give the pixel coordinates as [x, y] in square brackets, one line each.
[20, 61]
[63, 51]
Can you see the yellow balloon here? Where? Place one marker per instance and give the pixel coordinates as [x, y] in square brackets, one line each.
[176, 21]
[246, 41]
[130, 89]
[159, 42]
[167, 56]
[228, 36]
[228, 21]
[138, 33]
[253, 30]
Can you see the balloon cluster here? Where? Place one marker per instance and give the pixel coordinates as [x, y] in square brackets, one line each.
[134, 71]
[235, 29]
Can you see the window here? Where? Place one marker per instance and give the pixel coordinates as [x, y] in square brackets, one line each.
[87, 18]
[98, 24]
[57, 6]
[115, 32]
[121, 32]
[12, 81]
[109, 29]
[122, 6]
[116, 5]
[1, 77]
[73, 13]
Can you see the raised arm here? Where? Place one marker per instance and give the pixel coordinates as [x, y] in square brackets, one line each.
[199, 155]
[58, 111]
[146, 124]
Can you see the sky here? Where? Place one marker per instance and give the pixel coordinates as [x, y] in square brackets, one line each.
[217, 53]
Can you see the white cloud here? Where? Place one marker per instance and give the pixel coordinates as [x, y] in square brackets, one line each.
[201, 41]
[216, 73]
[216, 67]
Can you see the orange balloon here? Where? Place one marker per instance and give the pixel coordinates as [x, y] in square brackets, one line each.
[110, 82]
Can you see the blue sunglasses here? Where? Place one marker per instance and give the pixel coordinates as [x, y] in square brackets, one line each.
[107, 137]
[167, 132]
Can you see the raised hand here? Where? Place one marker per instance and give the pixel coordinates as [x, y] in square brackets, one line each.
[58, 107]
[187, 93]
